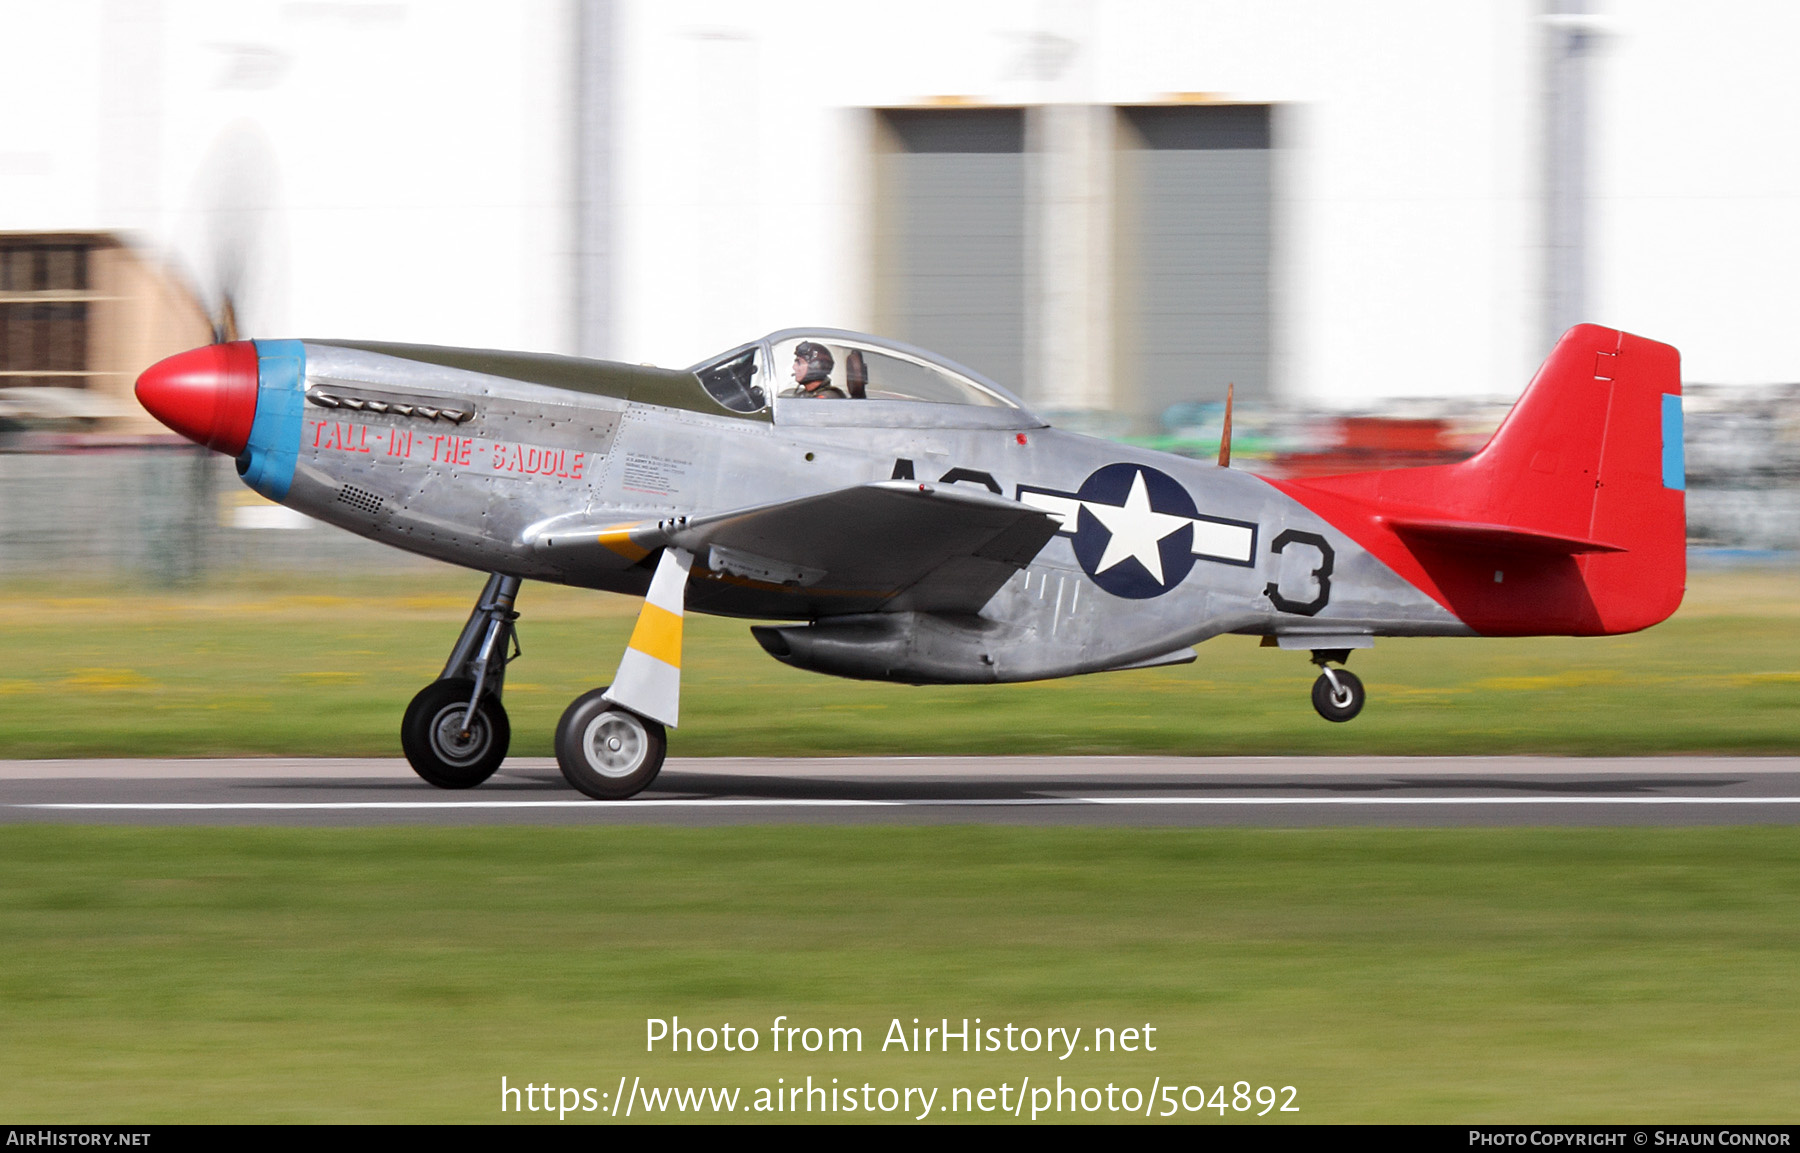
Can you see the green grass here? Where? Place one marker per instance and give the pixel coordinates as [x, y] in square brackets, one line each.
[397, 975]
[327, 667]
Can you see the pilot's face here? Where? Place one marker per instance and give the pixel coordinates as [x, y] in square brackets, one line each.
[799, 368]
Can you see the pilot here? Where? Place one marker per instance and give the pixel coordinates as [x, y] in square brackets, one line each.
[812, 373]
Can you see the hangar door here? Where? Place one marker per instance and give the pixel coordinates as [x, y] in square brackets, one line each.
[950, 235]
[1193, 205]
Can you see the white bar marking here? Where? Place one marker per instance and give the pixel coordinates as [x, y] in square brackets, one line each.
[1224, 541]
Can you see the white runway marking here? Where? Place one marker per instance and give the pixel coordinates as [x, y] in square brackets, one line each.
[817, 803]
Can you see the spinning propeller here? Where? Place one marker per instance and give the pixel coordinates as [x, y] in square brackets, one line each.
[209, 394]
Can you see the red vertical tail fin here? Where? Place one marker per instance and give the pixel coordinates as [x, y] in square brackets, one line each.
[1594, 449]
[1571, 520]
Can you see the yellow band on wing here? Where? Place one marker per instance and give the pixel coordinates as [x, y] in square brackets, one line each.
[658, 634]
[618, 539]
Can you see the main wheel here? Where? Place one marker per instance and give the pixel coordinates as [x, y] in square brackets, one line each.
[608, 752]
[433, 735]
[1340, 703]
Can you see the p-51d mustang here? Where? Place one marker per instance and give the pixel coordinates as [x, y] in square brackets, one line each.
[917, 523]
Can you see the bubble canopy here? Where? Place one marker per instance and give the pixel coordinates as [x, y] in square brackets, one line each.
[830, 376]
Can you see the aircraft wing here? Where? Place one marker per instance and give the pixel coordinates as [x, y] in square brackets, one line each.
[889, 546]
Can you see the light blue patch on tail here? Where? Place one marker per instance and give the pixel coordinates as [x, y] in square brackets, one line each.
[1674, 461]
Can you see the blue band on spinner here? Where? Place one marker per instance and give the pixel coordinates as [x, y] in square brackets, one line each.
[267, 464]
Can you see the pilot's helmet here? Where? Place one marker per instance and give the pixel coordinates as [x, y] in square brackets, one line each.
[818, 361]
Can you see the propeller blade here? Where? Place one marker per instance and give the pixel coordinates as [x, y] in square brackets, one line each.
[225, 329]
[231, 237]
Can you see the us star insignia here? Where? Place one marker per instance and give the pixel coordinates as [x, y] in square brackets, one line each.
[1136, 531]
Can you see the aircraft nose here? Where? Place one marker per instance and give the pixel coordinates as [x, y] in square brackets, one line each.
[206, 394]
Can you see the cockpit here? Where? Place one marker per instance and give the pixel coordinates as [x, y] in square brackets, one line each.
[830, 377]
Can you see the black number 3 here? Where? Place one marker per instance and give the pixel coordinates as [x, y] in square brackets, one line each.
[1322, 574]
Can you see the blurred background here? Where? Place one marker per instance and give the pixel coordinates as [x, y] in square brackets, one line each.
[1371, 219]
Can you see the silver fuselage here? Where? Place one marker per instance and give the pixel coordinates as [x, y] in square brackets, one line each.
[478, 470]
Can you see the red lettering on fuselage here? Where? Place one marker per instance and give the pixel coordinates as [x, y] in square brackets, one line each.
[530, 460]
[453, 449]
[494, 458]
[341, 436]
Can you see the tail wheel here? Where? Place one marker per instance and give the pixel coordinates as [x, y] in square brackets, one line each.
[608, 752]
[444, 744]
[1341, 700]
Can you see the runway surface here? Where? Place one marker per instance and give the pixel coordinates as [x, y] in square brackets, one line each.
[1147, 791]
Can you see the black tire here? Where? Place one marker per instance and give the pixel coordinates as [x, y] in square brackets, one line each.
[608, 752]
[431, 735]
[1343, 703]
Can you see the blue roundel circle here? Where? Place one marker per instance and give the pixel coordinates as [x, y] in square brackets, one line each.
[1152, 529]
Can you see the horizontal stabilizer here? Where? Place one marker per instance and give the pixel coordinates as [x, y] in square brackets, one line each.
[1496, 537]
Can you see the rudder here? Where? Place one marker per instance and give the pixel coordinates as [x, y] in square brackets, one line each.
[1593, 450]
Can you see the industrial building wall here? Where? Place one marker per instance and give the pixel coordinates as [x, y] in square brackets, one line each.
[395, 171]
[1696, 191]
[1399, 213]
[950, 244]
[1193, 206]
[422, 179]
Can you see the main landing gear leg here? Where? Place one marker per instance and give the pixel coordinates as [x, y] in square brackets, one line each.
[1338, 693]
[455, 732]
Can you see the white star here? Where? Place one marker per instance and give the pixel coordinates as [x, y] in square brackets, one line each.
[1136, 530]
